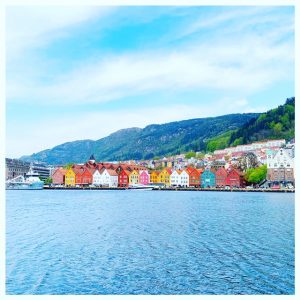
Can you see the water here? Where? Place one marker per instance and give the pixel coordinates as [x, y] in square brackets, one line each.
[149, 242]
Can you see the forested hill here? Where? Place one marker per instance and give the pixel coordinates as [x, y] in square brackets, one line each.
[277, 123]
[146, 143]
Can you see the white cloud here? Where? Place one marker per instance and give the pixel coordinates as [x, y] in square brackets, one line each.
[250, 64]
[247, 61]
[28, 27]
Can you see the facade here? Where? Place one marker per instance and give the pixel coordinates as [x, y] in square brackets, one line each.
[144, 177]
[134, 177]
[97, 178]
[154, 176]
[15, 167]
[221, 176]
[175, 179]
[185, 180]
[280, 167]
[58, 176]
[42, 170]
[164, 176]
[82, 175]
[194, 177]
[123, 178]
[208, 179]
[233, 179]
[70, 177]
[109, 178]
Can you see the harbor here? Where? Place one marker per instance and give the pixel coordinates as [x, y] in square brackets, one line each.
[174, 189]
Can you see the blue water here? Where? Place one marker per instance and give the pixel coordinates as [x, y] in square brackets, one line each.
[149, 242]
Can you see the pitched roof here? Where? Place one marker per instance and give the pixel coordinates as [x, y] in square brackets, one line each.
[221, 171]
[112, 172]
[61, 170]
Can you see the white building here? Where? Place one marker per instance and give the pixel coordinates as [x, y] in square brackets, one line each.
[179, 178]
[185, 179]
[280, 166]
[109, 178]
[97, 178]
[175, 179]
[252, 147]
[279, 159]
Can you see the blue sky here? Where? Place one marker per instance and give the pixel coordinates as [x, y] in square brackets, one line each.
[84, 72]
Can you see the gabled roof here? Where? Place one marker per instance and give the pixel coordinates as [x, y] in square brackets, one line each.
[80, 169]
[190, 170]
[221, 171]
[60, 170]
[112, 172]
[126, 172]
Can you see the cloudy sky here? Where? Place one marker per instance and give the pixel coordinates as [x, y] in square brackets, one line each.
[84, 72]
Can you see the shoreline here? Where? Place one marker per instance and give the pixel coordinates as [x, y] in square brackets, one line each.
[175, 189]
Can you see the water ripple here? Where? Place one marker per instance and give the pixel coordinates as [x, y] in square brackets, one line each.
[120, 242]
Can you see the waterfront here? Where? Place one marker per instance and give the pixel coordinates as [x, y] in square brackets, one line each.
[149, 242]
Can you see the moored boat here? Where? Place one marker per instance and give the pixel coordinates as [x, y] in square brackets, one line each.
[31, 181]
[140, 187]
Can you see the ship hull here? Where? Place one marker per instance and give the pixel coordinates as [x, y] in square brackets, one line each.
[24, 186]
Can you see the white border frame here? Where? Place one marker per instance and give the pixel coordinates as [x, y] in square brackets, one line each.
[5, 3]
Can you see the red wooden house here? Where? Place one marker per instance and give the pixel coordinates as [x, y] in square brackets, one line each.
[123, 178]
[82, 175]
[58, 176]
[194, 176]
[234, 179]
[221, 175]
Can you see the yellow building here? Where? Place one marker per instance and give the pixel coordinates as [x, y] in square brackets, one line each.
[134, 177]
[164, 176]
[70, 178]
[154, 176]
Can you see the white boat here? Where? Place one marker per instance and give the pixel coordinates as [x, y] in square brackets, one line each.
[142, 187]
[31, 181]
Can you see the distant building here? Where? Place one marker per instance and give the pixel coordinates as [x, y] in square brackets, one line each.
[15, 167]
[123, 178]
[134, 177]
[42, 169]
[280, 167]
[58, 176]
[234, 179]
[208, 179]
[144, 177]
[221, 176]
[270, 144]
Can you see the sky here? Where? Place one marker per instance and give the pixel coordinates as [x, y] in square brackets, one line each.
[76, 72]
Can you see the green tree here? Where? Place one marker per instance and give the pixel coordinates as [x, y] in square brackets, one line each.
[190, 154]
[48, 181]
[277, 129]
[256, 175]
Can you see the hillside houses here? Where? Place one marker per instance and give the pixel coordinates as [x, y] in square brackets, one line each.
[212, 170]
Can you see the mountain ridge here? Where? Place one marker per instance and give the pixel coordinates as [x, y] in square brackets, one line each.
[144, 143]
